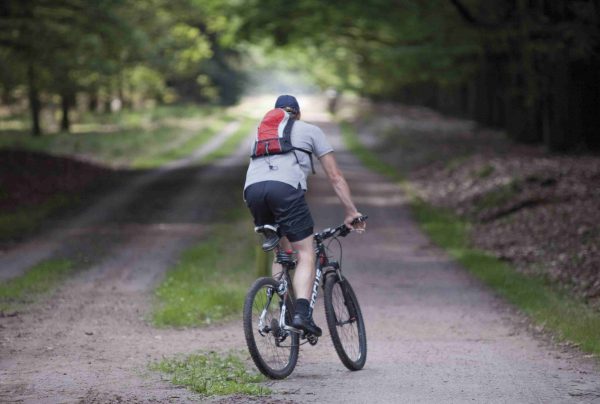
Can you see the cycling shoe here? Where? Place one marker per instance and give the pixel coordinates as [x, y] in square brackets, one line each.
[306, 324]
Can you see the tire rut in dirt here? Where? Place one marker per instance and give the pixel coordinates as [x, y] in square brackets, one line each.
[345, 322]
[275, 359]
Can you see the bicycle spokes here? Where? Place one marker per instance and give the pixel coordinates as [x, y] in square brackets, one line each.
[264, 334]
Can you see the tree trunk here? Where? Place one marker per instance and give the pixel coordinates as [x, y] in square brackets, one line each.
[65, 103]
[93, 103]
[35, 105]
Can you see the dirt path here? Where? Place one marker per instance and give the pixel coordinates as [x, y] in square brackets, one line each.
[435, 335]
[68, 234]
[91, 342]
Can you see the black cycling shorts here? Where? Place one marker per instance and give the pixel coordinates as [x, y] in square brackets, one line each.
[274, 202]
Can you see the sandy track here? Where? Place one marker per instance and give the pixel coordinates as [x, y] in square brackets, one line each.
[435, 334]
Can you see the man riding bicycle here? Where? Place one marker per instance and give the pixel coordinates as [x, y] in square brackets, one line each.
[274, 193]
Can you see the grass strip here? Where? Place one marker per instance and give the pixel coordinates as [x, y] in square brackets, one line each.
[232, 143]
[555, 310]
[211, 279]
[182, 150]
[567, 317]
[39, 279]
[366, 156]
[127, 138]
[212, 374]
[26, 220]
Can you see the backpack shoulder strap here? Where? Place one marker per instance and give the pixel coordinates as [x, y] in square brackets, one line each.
[287, 134]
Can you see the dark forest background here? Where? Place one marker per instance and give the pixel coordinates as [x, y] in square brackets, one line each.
[528, 66]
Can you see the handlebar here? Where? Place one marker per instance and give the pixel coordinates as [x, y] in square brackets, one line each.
[340, 231]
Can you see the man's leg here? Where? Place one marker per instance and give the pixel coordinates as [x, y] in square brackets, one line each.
[305, 268]
[303, 280]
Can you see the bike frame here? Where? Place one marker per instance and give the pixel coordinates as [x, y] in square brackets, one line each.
[323, 267]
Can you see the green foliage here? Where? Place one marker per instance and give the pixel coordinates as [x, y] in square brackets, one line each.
[212, 374]
[210, 281]
[128, 50]
[372, 47]
[39, 279]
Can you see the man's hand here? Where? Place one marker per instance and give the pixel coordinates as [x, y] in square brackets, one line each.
[359, 227]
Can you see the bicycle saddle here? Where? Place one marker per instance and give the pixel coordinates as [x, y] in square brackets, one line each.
[271, 235]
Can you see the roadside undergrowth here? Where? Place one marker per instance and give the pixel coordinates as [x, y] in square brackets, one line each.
[26, 220]
[27, 288]
[210, 280]
[212, 374]
[565, 316]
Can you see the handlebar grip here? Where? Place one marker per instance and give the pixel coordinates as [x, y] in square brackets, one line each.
[359, 219]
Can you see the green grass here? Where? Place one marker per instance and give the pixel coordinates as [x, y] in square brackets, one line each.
[365, 155]
[26, 220]
[231, 144]
[129, 137]
[484, 171]
[39, 279]
[210, 374]
[498, 196]
[211, 279]
[185, 148]
[567, 317]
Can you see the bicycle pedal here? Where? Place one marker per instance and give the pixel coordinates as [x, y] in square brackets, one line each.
[312, 339]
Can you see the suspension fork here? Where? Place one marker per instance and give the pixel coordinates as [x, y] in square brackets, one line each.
[337, 272]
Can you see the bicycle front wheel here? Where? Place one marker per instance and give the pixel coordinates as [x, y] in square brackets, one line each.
[273, 349]
[345, 322]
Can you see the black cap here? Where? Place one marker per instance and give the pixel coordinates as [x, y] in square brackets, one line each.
[287, 101]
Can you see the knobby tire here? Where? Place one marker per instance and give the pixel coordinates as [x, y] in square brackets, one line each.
[345, 322]
[275, 362]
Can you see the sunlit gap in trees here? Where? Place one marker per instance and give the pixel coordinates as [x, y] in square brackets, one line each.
[266, 81]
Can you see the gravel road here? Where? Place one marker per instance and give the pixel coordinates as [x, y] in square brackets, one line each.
[434, 333]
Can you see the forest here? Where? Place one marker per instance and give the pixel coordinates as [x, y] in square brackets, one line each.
[530, 67]
[466, 132]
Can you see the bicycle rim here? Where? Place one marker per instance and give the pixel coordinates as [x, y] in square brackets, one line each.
[345, 323]
[274, 351]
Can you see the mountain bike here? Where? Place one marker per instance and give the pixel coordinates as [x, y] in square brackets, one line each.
[269, 306]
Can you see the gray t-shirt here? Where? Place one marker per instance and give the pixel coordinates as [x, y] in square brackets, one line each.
[285, 167]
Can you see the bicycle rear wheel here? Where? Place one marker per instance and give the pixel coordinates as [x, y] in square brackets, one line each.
[273, 350]
[345, 322]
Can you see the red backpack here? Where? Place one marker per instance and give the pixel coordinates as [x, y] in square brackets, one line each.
[274, 136]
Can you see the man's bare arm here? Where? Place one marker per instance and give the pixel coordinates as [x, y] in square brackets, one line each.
[341, 188]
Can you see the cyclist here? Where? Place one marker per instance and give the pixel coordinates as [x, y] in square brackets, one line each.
[274, 193]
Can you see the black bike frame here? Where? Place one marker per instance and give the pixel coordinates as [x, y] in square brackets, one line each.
[323, 267]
